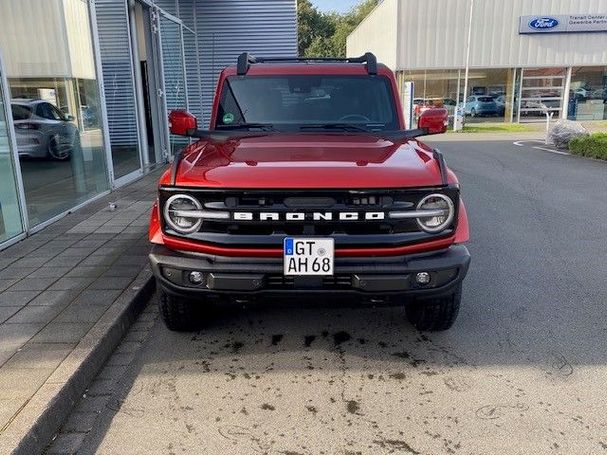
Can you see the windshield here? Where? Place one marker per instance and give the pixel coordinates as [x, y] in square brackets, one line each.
[301, 102]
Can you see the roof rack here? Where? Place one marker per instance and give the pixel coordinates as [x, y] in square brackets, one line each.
[245, 60]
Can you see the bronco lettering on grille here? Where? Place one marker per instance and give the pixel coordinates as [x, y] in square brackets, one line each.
[313, 216]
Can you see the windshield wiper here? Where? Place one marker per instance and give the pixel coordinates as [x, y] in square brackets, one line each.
[335, 126]
[247, 126]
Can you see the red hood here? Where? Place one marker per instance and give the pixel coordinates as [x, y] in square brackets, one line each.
[308, 161]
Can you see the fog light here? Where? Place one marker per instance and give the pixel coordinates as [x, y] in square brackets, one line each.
[422, 278]
[196, 277]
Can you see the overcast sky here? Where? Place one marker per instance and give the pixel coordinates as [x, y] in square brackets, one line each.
[335, 5]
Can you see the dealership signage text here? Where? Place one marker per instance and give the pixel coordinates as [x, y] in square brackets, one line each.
[569, 23]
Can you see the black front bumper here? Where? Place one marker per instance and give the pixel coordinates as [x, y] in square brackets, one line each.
[366, 276]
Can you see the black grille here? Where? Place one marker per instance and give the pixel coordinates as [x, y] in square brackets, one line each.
[258, 233]
[281, 282]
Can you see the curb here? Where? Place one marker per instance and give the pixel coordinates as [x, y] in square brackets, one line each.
[42, 417]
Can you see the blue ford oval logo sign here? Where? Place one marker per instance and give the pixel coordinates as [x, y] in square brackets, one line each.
[543, 23]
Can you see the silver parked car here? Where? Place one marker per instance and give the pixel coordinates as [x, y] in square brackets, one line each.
[44, 131]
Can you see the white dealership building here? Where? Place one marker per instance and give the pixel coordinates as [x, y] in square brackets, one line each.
[528, 55]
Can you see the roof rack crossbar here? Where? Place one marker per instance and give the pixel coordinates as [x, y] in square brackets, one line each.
[245, 60]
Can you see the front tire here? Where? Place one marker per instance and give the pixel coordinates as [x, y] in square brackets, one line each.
[179, 314]
[436, 314]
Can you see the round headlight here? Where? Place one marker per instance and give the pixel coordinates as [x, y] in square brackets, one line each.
[441, 211]
[176, 213]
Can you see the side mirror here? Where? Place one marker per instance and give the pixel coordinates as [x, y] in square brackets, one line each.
[70, 118]
[434, 121]
[182, 123]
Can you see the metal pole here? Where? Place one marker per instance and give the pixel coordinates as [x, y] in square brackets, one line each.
[467, 57]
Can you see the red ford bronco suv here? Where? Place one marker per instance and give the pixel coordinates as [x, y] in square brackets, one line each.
[306, 183]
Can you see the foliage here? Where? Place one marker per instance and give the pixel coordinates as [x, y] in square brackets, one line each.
[593, 146]
[496, 128]
[324, 34]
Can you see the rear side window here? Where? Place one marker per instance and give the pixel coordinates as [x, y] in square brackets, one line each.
[20, 112]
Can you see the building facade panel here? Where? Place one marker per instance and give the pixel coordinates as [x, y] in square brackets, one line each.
[88, 84]
[378, 32]
[433, 34]
[525, 62]
[226, 28]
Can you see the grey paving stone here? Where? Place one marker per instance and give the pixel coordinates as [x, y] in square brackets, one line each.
[71, 283]
[114, 282]
[82, 312]
[33, 314]
[49, 272]
[101, 387]
[34, 260]
[107, 259]
[13, 336]
[8, 408]
[32, 284]
[122, 271]
[90, 243]
[132, 260]
[110, 229]
[63, 261]
[86, 271]
[22, 383]
[5, 284]
[7, 311]
[16, 272]
[121, 359]
[55, 297]
[98, 296]
[17, 298]
[45, 356]
[63, 332]
[114, 371]
[80, 422]
[5, 262]
[76, 252]
[93, 403]
[66, 444]
[127, 347]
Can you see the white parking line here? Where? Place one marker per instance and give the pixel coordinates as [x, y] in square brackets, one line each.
[546, 149]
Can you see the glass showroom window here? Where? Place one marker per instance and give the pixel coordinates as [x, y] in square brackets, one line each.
[488, 98]
[10, 215]
[50, 65]
[588, 93]
[433, 89]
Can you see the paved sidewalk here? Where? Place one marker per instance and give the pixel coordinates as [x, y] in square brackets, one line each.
[56, 285]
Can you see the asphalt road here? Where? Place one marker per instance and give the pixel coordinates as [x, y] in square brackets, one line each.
[523, 371]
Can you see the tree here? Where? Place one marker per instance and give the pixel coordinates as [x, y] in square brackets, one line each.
[324, 34]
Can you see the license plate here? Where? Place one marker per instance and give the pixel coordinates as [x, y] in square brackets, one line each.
[308, 256]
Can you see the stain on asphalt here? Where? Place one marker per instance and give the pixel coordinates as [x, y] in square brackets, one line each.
[267, 407]
[412, 361]
[393, 444]
[312, 409]
[308, 340]
[276, 339]
[237, 346]
[492, 412]
[399, 376]
[341, 337]
[352, 406]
